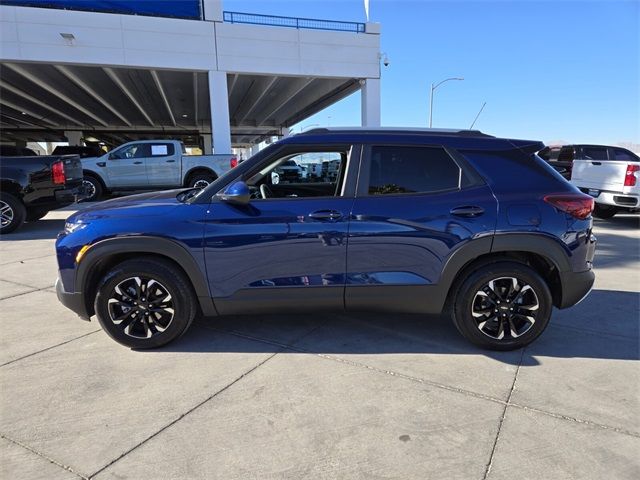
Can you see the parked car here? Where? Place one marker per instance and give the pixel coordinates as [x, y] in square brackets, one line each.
[415, 221]
[612, 176]
[82, 152]
[13, 151]
[151, 165]
[551, 155]
[32, 186]
[288, 171]
[562, 158]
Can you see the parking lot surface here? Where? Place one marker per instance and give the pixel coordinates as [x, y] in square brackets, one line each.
[327, 396]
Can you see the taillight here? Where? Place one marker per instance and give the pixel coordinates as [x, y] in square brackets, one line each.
[577, 205]
[57, 173]
[234, 162]
[630, 178]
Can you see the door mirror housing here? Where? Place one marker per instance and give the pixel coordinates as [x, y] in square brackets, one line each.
[237, 193]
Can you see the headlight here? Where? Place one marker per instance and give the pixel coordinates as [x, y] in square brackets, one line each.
[73, 227]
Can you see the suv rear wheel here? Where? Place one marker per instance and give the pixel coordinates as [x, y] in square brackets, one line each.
[145, 303]
[502, 306]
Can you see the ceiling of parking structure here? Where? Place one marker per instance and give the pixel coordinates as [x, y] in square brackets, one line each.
[130, 103]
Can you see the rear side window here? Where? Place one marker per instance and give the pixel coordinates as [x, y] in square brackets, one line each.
[161, 149]
[399, 169]
[595, 153]
[622, 154]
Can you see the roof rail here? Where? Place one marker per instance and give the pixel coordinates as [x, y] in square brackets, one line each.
[407, 130]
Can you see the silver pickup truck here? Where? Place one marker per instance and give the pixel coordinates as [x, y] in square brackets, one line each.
[151, 165]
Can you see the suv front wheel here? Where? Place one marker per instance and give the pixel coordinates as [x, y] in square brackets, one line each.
[502, 306]
[145, 303]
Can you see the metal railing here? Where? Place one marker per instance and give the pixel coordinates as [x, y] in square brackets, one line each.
[293, 22]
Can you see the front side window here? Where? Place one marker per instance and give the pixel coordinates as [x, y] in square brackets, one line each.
[398, 170]
[595, 153]
[301, 175]
[137, 150]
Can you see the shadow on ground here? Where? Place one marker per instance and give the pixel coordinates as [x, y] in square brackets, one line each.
[42, 229]
[585, 331]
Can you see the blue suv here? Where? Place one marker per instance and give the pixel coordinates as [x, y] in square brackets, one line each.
[419, 221]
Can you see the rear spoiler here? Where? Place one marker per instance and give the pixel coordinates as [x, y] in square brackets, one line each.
[527, 146]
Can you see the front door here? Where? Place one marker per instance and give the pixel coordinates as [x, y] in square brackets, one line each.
[286, 250]
[415, 206]
[126, 166]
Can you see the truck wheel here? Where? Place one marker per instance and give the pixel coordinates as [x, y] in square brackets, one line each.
[93, 188]
[12, 213]
[604, 211]
[201, 180]
[35, 214]
[145, 303]
[502, 306]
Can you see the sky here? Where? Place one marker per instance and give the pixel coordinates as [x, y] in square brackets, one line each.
[561, 71]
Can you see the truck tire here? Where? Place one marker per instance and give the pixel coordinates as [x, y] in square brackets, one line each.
[200, 180]
[604, 212]
[93, 187]
[12, 213]
[35, 214]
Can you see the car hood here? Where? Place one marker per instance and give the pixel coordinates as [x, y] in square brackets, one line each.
[149, 204]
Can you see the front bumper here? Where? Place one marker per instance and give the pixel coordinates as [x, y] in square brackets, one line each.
[72, 300]
[575, 287]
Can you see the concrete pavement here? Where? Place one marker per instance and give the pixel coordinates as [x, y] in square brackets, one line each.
[322, 396]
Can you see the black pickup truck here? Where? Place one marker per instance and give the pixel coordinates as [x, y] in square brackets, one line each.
[32, 186]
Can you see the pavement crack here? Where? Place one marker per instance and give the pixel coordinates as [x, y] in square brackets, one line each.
[502, 417]
[35, 289]
[42, 455]
[195, 407]
[48, 348]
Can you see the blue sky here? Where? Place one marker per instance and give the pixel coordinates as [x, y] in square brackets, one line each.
[549, 70]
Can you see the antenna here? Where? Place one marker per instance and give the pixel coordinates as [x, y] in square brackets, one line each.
[475, 119]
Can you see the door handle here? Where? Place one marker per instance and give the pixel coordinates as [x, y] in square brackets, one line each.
[596, 163]
[137, 163]
[467, 211]
[170, 161]
[101, 164]
[331, 215]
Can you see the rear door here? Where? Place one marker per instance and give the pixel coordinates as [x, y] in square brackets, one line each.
[126, 166]
[415, 206]
[163, 165]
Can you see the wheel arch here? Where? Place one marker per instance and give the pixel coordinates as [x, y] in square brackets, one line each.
[541, 253]
[106, 254]
[96, 175]
[196, 170]
[12, 188]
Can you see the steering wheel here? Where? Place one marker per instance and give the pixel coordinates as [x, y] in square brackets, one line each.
[265, 191]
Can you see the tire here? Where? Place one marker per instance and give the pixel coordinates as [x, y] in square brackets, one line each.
[94, 188]
[474, 307]
[604, 212]
[200, 180]
[145, 329]
[12, 211]
[35, 214]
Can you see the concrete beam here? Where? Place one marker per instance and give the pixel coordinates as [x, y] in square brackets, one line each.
[114, 76]
[163, 95]
[279, 101]
[41, 104]
[254, 95]
[82, 84]
[45, 86]
[74, 137]
[31, 113]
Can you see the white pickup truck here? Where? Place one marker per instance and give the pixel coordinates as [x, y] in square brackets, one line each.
[612, 176]
[151, 165]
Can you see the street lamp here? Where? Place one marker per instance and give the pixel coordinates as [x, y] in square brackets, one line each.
[433, 88]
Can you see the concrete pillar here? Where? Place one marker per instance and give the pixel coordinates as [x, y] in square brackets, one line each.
[212, 10]
[255, 149]
[219, 104]
[208, 145]
[371, 102]
[74, 137]
[285, 132]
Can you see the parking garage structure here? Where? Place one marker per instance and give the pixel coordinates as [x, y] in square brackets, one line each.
[223, 79]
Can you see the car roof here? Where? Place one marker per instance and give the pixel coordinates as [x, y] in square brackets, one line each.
[456, 138]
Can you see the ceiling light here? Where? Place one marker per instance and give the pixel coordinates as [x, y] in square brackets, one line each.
[184, 115]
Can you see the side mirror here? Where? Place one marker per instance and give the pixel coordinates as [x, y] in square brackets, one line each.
[237, 193]
[113, 156]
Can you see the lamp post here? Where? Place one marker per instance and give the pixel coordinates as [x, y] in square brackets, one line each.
[433, 88]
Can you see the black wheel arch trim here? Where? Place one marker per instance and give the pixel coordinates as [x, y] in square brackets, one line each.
[96, 175]
[538, 243]
[148, 245]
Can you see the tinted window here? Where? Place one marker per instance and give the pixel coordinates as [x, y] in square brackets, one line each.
[621, 154]
[566, 154]
[411, 170]
[595, 153]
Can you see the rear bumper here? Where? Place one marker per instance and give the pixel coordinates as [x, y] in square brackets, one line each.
[70, 195]
[73, 301]
[617, 199]
[575, 287]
